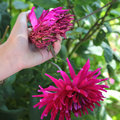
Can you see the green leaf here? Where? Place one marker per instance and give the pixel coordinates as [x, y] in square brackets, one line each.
[110, 71]
[107, 25]
[6, 114]
[95, 50]
[46, 3]
[116, 56]
[34, 113]
[39, 11]
[105, 1]
[99, 38]
[3, 6]
[113, 94]
[4, 18]
[20, 5]
[115, 13]
[79, 10]
[81, 30]
[84, 2]
[108, 54]
[63, 52]
[10, 80]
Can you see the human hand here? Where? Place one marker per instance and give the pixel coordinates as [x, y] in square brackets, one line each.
[17, 53]
[27, 55]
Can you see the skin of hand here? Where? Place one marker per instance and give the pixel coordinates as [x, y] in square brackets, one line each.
[17, 53]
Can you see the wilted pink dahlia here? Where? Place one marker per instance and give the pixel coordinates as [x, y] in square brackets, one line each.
[48, 25]
[75, 96]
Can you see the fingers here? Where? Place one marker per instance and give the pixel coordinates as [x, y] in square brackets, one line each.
[46, 55]
[59, 38]
[20, 26]
[39, 56]
[57, 45]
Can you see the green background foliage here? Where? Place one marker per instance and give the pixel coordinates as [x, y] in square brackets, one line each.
[96, 37]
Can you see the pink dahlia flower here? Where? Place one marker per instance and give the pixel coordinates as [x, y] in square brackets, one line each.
[48, 25]
[76, 95]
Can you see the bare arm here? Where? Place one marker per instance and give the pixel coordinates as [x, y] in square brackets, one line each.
[16, 53]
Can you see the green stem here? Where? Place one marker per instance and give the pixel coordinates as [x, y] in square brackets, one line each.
[55, 65]
[6, 30]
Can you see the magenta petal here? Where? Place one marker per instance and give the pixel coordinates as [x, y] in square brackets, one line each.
[77, 79]
[87, 65]
[72, 72]
[65, 77]
[57, 82]
[32, 18]
[92, 73]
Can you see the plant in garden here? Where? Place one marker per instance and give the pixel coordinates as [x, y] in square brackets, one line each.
[48, 25]
[74, 96]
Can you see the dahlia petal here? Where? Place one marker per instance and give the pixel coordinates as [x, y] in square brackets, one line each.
[93, 105]
[57, 83]
[72, 72]
[32, 18]
[95, 76]
[86, 66]
[84, 70]
[104, 86]
[58, 8]
[44, 13]
[70, 105]
[75, 106]
[83, 82]
[68, 116]
[92, 73]
[52, 88]
[103, 79]
[98, 103]
[80, 113]
[46, 110]
[40, 105]
[61, 117]
[77, 79]
[83, 93]
[70, 94]
[86, 110]
[36, 105]
[76, 114]
[90, 108]
[38, 95]
[83, 111]
[65, 77]
[53, 114]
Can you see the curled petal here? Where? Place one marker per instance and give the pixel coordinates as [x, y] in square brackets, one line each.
[32, 18]
[72, 72]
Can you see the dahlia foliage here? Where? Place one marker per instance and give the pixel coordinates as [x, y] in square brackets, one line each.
[48, 25]
[76, 95]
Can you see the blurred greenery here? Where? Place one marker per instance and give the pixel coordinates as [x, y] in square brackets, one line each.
[96, 36]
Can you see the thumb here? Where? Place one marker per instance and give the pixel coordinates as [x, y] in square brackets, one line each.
[20, 26]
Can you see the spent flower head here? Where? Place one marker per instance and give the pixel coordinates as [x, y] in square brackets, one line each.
[51, 23]
[76, 95]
